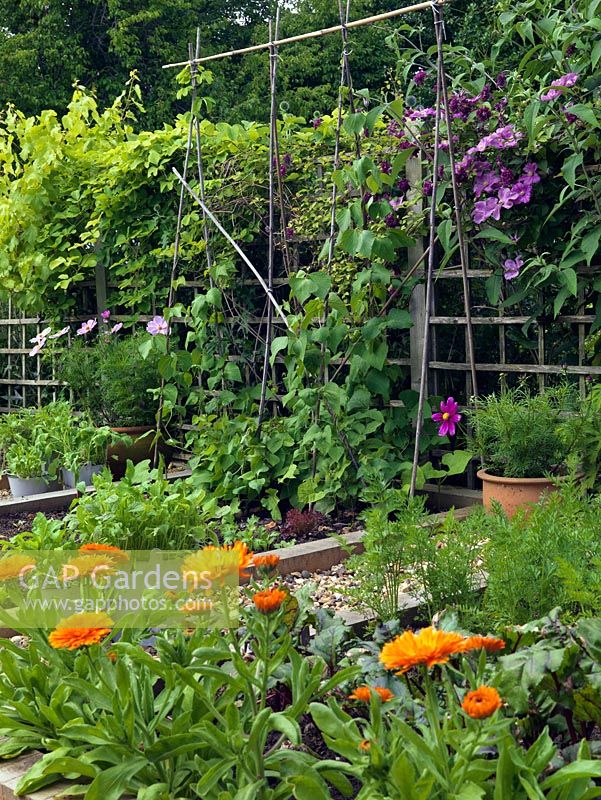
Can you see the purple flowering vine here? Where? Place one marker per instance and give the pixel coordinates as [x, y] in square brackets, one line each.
[512, 267]
[557, 87]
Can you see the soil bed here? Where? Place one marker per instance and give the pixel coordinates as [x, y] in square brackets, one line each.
[13, 524]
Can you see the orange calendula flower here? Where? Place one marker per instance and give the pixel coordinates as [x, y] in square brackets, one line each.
[488, 643]
[363, 694]
[365, 745]
[215, 564]
[429, 647]
[94, 547]
[269, 600]
[482, 702]
[94, 565]
[267, 562]
[112, 656]
[80, 630]
[245, 558]
[15, 566]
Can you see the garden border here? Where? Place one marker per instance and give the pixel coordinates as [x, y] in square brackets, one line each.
[443, 497]
[323, 551]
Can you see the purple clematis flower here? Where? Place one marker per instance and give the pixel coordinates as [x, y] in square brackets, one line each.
[484, 209]
[507, 197]
[486, 183]
[565, 82]
[87, 327]
[522, 191]
[317, 122]
[512, 267]
[420, 76]
[158, 325]
[447, 417]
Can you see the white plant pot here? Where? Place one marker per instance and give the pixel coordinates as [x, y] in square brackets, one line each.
[84, 473]
[21, 487]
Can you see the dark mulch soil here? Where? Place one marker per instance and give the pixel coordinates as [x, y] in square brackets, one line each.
[12, 524]
[342, 522]
[312, 738]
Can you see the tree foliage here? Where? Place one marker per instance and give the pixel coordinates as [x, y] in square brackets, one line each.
[46, 47]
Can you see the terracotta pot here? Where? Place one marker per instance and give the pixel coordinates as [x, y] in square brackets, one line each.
[512, 493]
[141, 448]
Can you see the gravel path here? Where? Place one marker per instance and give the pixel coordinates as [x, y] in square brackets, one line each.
[331, 586]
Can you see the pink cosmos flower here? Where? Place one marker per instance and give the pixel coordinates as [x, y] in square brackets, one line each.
[60, 333]
[37, 348]
[158, 325]
[447, 417]
[116, 327]
[106, 315]
[512, 267]
[87, 327]
[41, 337]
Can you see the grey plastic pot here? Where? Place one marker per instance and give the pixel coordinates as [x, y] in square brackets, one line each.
[85, 473]
[22, 487]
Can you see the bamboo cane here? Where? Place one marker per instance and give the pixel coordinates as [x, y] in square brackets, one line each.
[236, 247]
[358, 23]
[273, 165]
[429, 279]
[463, 252]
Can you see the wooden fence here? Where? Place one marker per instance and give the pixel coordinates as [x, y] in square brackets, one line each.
[507, 346]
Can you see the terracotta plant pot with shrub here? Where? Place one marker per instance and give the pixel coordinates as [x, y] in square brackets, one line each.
[526, 442]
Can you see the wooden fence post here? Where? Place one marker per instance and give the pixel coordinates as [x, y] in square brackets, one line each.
[100, 277]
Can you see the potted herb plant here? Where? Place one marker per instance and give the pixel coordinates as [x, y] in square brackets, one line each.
[30, 459]
[84, 449]
[525, 441]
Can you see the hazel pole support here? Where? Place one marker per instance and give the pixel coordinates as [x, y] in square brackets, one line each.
[358, 23]
[236, 247]
[429, 283]
[463, 252]
[201, 184]
[345, 75]
[174, 265]
[273, 71]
